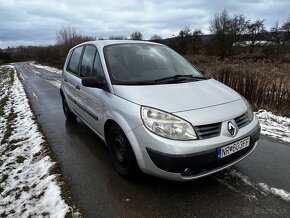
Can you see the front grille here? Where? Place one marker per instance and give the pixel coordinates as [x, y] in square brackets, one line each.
[242, 120]
[214, 129]
[208, 131]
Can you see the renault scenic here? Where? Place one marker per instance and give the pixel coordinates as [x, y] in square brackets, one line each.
[155, 111]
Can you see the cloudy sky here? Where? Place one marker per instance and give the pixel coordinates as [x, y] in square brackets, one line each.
[35, 22]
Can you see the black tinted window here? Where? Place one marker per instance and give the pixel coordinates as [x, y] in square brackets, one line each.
[87, 61]
[98, 69]
[75, 60]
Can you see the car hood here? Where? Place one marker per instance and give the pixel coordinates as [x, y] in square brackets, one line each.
[178, 97]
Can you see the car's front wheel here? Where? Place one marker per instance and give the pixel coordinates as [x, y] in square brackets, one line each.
[67, 112]
[122, 154]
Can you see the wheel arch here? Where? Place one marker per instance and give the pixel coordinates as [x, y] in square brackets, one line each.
[114, 118]
[108, 125]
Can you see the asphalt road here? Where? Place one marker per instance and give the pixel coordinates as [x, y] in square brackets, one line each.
[100, 192]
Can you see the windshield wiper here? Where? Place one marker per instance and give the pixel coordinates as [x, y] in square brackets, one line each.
[170, 79]
[134, 83]
[180, 77]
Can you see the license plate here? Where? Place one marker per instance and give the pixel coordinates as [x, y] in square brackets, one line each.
[232, 148]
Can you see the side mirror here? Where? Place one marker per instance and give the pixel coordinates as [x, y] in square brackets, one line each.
[92, 82]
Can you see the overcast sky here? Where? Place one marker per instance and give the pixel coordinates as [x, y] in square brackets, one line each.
[35, 22]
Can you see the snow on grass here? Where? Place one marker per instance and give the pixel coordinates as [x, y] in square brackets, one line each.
[27, 186]
[274, 126]
[51, 69]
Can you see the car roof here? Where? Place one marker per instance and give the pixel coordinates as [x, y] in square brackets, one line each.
[103, 43]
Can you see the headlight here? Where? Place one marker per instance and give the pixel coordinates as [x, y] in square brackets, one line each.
[167, 125]
[249, 111]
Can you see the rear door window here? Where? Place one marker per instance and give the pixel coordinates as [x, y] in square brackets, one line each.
[88, 61]
[74, 62]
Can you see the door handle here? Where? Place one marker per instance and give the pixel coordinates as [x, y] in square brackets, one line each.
[78, 87]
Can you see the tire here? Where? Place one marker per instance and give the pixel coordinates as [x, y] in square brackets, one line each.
[122, 154]
[67, 112]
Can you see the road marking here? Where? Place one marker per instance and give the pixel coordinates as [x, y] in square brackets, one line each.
[22, 77]
[35, 96]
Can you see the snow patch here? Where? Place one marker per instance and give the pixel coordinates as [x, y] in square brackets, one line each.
[274, 126]
[245, 179]
[263, 188]
[52, 69]
[55, 83]
[26, 186]
[277, 192]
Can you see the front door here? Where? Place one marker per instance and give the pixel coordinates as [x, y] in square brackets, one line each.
[91, 107]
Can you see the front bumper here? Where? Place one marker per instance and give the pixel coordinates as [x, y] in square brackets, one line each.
[168, 159]
[197, 163]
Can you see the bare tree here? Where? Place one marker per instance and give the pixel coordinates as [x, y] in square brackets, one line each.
[277, 37]
[286, 30]
[220, 24]
[183, 36]
[196, 40]
[255, 31]
[69, 37]
[136, 36]
[227, 30]
[155, 37]
[220, 28]
[66, 36]
[238, 27]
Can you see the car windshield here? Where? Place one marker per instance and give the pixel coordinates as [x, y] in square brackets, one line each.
[141, 64]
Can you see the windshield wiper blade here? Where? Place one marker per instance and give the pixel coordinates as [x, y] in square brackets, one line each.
[179, 77]
[138, 83]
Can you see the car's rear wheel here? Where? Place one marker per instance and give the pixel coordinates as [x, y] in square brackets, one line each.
[122, 154]
[67, 112]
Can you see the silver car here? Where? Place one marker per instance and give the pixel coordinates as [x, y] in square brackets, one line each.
[155, 111]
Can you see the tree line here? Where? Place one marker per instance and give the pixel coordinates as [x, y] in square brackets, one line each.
[230, 35]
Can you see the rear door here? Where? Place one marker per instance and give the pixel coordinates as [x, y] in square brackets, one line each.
[72, 76]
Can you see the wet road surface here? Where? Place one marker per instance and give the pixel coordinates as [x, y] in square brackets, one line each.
[100, 192]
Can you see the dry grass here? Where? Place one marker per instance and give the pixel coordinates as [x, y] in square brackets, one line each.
[264, 82]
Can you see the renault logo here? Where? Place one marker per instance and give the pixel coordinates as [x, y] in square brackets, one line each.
[232, 129]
